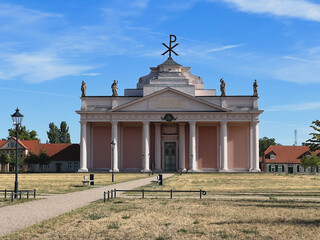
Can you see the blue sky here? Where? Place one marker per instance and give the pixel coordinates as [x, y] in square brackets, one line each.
[48, 47]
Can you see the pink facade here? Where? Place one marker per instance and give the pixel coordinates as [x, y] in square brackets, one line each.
[132, 145]
[238, 147]
[207, 157]
[101, 146]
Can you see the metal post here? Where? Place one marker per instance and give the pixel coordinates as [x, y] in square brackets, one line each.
[171, 193]
[111, 194]
[34, 193]
[5, 193]
[142, 193]
[108, 195]
[20, 195]
[115, 193]
[104, 196]
[200, 193]
[16, 176]
[11, 196]
[28, 194]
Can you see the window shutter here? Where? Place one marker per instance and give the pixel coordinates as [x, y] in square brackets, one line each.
[282, 168]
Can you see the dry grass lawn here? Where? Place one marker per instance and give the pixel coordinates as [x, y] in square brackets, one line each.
[183, 219]
[274, 185]
[61, 182]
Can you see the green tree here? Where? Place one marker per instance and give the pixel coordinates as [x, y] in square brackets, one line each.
[31, 158]
[12, 161]
[4, 158]
[44, 157]
[64, 135]
[53, 133]
[314, 142]
[310, 161]
[264, 143]
[24, 134]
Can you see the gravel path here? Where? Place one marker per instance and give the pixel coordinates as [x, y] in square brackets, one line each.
[16, 217]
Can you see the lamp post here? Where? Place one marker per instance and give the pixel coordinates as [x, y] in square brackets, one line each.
[112, 150]
[16, 119]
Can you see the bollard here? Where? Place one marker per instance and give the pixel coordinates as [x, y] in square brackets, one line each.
[115, 193]
[5, 193]
[34, 193]
[104, 197]
[108, 195]
[20, 195]
[200, 193]
[142, 193]
[171, 193]
[27, 194]
[12, 196]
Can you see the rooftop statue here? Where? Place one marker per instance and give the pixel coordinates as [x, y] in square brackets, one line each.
[114, 88]
[255, 88]
[222, 87]
[83, 89]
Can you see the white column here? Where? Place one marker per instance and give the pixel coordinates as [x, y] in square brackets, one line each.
[83, 148]
[114, 138]
[182, 147]
[157, 147]
[254, 146]
[224, 146]
[193, 155]
[145, 147]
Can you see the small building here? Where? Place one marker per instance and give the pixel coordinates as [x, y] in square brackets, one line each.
[64, 157]
[286, 159]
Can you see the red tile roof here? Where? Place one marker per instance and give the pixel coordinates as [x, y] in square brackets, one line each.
[2, 142]
[285, 154]
[61, 151]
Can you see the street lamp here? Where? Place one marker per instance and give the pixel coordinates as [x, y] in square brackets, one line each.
[112, 151]
[16, 119]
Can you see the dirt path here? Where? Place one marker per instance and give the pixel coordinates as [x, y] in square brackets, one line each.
[16, 217]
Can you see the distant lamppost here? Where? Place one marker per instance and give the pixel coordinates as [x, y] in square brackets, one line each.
[16, 119]
[112, 154]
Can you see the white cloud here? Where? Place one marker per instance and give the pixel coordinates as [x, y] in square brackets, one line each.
[301, 9]
[295, 107]
[37, 67]
[140, 3]
[224, 48]
[90, 74]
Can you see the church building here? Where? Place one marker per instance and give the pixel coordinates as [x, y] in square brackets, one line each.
[170, 122]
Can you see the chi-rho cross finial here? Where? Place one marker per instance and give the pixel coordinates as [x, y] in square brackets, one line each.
[173, 38]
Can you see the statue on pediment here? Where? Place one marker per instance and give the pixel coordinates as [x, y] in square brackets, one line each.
[222, 87]
[255, 88]
[114, 88]
[83, 89]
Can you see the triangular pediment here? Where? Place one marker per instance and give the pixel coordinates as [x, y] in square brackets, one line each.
[11, 144]
[169, 99]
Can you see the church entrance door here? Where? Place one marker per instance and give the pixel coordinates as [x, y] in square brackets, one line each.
[170, 156]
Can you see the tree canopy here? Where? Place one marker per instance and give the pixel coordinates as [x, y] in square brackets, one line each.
[24, 134]
[314, 142]
[42, 158]
[310, 161]
[56, 135]
[264, 143]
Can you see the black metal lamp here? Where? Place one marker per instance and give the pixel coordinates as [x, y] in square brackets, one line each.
[17, 120]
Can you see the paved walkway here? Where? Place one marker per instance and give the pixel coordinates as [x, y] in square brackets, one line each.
[16, 217]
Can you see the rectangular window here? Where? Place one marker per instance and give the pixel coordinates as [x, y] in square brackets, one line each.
[272, 168]
[47, 166]
[40, 166]
[12, 144]
[272, 157]
[75, 166]
[30, 167]
[69, 165]
[11, 153]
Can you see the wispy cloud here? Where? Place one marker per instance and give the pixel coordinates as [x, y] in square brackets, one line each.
[38, 92]
[301, 9]
[218, 49]
[90, 74]
[37, 67]
[295, 107]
